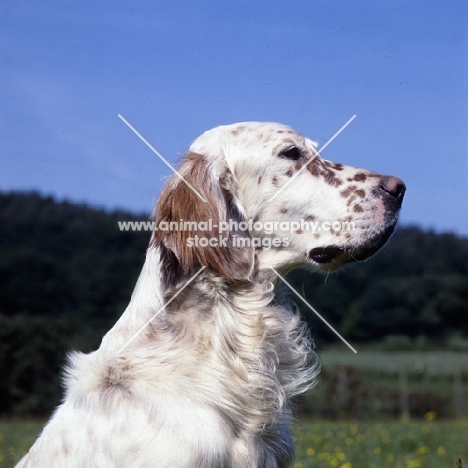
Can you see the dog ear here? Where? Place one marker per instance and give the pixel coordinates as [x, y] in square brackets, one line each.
[188, 229]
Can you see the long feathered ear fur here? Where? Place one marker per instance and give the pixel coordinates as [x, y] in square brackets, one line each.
[181, 255]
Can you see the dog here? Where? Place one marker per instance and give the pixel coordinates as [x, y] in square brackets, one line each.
[200, 369]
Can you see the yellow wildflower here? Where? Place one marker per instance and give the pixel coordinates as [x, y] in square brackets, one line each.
[430, 416]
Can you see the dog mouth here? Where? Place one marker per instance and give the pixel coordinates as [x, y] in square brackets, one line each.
[337, 256]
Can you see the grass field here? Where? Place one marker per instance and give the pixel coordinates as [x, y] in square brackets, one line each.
[15, 440]
[428, 444]
[412, 444]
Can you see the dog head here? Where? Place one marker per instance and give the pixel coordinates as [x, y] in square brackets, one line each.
[259, 195]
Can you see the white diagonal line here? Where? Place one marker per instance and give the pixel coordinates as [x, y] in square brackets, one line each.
[313, 310]
[337, 133]
[161, 157]
[316, 154]
[163, 307]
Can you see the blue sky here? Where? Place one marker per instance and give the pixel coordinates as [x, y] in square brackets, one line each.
[175, 68]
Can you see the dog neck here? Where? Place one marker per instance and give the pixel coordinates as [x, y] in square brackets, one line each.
[243, 319]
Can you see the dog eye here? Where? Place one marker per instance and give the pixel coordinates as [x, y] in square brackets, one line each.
[293, 153]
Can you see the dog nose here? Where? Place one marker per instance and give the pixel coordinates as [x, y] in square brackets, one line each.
[394, 187]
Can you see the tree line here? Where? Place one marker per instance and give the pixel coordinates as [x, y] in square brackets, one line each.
[67, 273]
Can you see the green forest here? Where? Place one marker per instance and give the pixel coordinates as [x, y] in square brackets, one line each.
[67, 273]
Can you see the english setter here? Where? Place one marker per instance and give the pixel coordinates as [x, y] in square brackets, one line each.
[200, 369]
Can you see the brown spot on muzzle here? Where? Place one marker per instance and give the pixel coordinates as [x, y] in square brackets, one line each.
[320, 168]
[360, 177]
[331, 179]
[345, 193]
[335, 166]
